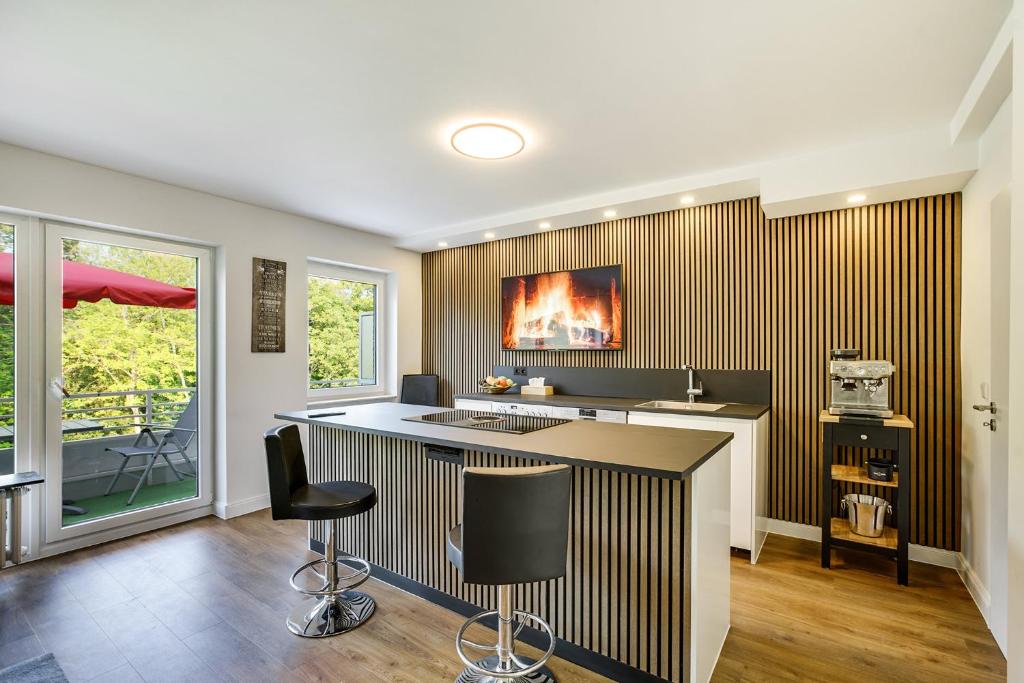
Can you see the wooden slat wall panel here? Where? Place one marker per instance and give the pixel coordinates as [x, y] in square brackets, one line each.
[721, 286]
[620, 596]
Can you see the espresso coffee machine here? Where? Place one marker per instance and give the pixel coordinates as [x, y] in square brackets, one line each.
[859, 387]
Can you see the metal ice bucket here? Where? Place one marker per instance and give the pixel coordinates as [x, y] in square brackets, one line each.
[865, 513]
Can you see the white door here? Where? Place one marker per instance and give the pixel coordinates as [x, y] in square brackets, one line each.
[127, 381]
[999, 394]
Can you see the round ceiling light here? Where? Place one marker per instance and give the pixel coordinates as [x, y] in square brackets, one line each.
[488, 141]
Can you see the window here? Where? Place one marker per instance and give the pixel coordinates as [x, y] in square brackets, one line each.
[345, 349]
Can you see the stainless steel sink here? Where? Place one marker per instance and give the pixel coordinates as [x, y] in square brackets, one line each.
[682, 405]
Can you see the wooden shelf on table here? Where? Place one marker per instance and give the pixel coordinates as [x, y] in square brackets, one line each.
[841, 531]
[857, 475]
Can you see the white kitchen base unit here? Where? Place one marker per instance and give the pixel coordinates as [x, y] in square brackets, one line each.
[563, 412]
[749, 499]
[470, 404]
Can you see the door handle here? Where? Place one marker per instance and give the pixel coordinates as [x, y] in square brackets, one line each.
[55, 383]
[982, 407]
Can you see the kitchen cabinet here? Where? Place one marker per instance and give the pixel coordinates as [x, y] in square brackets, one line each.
[748, 503]
[472, 404]
[749, 468]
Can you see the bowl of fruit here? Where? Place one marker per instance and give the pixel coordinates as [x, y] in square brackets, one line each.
[495, 385]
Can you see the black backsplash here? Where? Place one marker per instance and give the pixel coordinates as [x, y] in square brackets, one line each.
[726, 386]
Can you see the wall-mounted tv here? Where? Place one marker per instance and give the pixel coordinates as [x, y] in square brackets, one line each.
[567, 309]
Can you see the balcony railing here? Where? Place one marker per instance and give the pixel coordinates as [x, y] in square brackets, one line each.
[341, 383]
[111, 413]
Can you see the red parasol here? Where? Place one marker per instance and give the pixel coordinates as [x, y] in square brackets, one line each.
[83, 282]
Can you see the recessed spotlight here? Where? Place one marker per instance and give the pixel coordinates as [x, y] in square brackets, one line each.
[544, 225]
[488, 141]
[686, 199]
[609, 213]
[442, 244]
[489, 235]
[856, 198]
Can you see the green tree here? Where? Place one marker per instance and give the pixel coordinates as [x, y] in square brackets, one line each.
[334, 308]
[112, 347]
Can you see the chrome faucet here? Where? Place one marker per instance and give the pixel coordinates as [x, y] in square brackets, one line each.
[692, 392]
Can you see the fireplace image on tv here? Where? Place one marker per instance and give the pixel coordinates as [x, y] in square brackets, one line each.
[569, 309]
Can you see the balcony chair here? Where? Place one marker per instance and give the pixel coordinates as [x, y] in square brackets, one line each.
[157, 441]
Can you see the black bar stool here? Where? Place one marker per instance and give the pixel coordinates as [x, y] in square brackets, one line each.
[337, 608]
[420, 390]
[515, 529]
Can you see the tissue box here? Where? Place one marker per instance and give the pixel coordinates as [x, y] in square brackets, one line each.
[527, 390]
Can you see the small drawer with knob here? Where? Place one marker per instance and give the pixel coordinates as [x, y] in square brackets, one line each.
[865, 436]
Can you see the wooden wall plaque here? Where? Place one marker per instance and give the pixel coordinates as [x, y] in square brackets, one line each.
[268, 294]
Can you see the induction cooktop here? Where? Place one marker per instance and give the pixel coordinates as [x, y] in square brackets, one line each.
[488, 422]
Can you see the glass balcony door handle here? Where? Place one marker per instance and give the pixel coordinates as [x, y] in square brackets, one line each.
[56, 385]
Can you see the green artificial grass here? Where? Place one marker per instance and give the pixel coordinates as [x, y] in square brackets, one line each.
[116, 502]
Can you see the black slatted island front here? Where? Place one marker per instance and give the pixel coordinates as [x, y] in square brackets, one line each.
[646, 591]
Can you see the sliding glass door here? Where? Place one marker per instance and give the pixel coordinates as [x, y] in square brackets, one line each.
[126, 390]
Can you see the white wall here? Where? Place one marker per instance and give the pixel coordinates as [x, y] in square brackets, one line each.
[253, 386]
[985, 291]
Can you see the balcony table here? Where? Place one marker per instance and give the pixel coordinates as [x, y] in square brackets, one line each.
[67, 427]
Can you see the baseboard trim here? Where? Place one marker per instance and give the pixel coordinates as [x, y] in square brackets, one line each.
[793, 530]
[241, 507]
[918, 553]
[936, 556]
[982, 598]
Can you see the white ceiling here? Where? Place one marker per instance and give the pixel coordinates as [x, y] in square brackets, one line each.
[339, 110]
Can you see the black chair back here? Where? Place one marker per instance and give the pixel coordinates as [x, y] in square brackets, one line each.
[286, 468]
[420, 390]
[515, 523]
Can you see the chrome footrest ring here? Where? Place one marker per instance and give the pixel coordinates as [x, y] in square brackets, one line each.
[476, 668]
[342, 583]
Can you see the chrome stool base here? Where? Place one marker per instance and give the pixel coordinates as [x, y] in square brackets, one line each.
[542, 675]
[331, 616]
[504, 664]
[337, 608]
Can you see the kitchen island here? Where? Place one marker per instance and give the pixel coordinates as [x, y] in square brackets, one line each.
[646, 591]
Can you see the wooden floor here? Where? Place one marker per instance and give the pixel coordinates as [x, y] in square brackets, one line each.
[206, 600]
[794, 621]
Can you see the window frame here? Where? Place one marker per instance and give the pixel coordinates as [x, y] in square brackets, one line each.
[337, 271]
[21, 430]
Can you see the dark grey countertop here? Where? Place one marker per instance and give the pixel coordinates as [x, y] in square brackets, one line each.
[665, 452]
[733, 411]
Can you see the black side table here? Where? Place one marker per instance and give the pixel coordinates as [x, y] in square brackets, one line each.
[891, 434]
